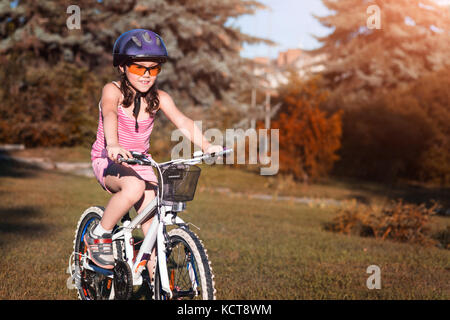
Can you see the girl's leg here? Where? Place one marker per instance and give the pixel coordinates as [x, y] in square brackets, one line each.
[148, 197]
[127, 188]
[144, 201]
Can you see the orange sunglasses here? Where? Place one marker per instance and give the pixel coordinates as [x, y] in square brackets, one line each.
[141, 70]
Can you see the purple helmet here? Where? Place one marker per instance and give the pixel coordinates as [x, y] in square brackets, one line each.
[139, 43]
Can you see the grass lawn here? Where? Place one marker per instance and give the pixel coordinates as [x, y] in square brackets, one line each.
[259, 249]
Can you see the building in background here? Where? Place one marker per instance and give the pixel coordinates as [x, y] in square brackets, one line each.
[272, 74]
[275, 72]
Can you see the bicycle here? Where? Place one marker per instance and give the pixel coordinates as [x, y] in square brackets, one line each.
[182, 269]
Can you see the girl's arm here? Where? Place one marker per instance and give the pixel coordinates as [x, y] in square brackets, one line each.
[184, 123]
[110, 101]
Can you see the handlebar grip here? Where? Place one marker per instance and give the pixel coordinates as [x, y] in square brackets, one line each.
[129, 161]
[221, 153]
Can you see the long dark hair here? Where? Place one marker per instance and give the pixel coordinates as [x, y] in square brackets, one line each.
[151, 98]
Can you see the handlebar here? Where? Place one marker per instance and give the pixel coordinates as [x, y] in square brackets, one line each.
[142, 159]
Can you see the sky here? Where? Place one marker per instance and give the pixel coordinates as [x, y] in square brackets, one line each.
[288, 22]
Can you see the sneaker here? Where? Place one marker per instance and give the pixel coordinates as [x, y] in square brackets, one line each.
[99, 249]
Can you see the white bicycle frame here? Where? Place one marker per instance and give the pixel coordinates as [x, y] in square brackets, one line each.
[165, 216]
[154, 235]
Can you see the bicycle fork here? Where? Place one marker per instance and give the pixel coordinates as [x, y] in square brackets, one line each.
[155, 234]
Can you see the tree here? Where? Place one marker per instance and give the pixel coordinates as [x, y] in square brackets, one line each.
[48, 107]
[204, 69]
[401, 134]
[430, 96]
[390, 79]
[204, 49]
[382, 142]
[309, 137]
[413, 39]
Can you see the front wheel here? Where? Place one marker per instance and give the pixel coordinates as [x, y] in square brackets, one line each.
[189, 270]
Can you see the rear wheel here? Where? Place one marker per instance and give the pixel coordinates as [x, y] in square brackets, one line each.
[93, 285]
[189, 270]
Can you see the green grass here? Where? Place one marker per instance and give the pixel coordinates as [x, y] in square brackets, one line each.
[272, 251]
[259, 249]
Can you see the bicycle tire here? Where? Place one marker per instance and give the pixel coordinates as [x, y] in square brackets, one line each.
[204, 277]
[102, 286]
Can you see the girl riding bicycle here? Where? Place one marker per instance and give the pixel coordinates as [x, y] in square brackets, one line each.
[128, 109]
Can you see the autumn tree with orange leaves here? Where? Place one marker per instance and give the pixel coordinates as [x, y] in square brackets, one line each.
[309, 137]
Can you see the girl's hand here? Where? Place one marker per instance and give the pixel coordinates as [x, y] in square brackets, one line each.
[115, 150]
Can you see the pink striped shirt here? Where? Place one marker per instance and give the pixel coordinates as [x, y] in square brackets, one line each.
[129, 139]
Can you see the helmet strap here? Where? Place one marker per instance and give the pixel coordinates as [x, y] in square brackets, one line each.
[137, 101]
